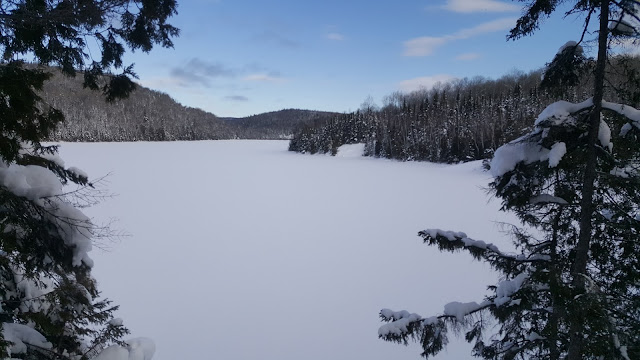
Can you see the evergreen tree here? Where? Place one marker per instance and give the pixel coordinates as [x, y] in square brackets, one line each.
[574, 292]
[49, 306]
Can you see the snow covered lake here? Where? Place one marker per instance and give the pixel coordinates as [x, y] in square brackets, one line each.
[241, 250]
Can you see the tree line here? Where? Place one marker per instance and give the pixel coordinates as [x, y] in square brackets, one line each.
[275, 124]
[461, 120]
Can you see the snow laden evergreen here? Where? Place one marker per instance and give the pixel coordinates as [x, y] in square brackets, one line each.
[538, 178]
[573, 289]
[45, 281]
[49, 303]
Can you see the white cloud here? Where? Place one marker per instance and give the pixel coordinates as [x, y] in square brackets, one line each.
[423, 46]
[163, 83]
[488, 27]
[467, 56]
[263, 78]
[426, 45]
[471, 6]
[424, 82]
[335, 36]
[236, 98]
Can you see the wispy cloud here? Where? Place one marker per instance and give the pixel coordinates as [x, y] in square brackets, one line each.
[426, 45]
[472, 6]
[467, 56]
[424, 82]
[273, 78]
[277, 38]
[335, 36]
[199, 72]
[236, 98]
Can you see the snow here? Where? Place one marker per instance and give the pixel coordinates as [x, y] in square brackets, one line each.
[604, 135]
[625, 172]
[624, 130]
[137, 349]
[570, 44]
[32, 292]
[456, 235]
[141, 348]
[243, 250]
[350, 150]
[21, 335]
[560, 111]
[476, 243]
[450, 235]
[558, 150]
[78, 172]
[114, 352]
[116, 322]
[534, 336]
[401, 320]
[460, 310]
[55, 158]
[37, 183]
[547, 198]
[504, 292]
[509, 155]
[629, 112]
[32, 182]
[507, 288]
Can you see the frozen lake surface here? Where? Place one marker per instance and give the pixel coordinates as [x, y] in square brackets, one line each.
[240, 250]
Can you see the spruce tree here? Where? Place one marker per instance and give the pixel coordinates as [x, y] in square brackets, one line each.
[573, 290]
[49, 304]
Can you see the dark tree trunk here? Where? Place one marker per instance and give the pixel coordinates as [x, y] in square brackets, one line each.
[587, 207]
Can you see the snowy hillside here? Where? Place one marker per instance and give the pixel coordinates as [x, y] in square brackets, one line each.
[242, 250]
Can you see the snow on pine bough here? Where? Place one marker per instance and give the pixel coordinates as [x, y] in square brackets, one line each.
[431, 332]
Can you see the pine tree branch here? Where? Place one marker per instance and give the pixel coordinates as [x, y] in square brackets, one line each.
[454, 241]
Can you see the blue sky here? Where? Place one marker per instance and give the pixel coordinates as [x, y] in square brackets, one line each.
[242, 57]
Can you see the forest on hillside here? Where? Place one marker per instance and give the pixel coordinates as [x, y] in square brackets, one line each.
[145, 115]
[461, 120]
[149, 115]
[276, 124]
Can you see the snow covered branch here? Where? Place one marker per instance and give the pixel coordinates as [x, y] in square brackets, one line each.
[629, 112]
[454, 241]
[431, 332]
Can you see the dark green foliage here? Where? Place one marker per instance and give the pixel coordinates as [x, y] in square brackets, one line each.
[572, 290]
[45, 274]
[534, 13]
[567, 70]
[22, 119]
[483, 115]
[534, 320]
[275, 124]
[326, 134]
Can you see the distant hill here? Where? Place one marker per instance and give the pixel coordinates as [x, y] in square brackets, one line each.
[145, 115]
[149, 115]
[277, 124]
